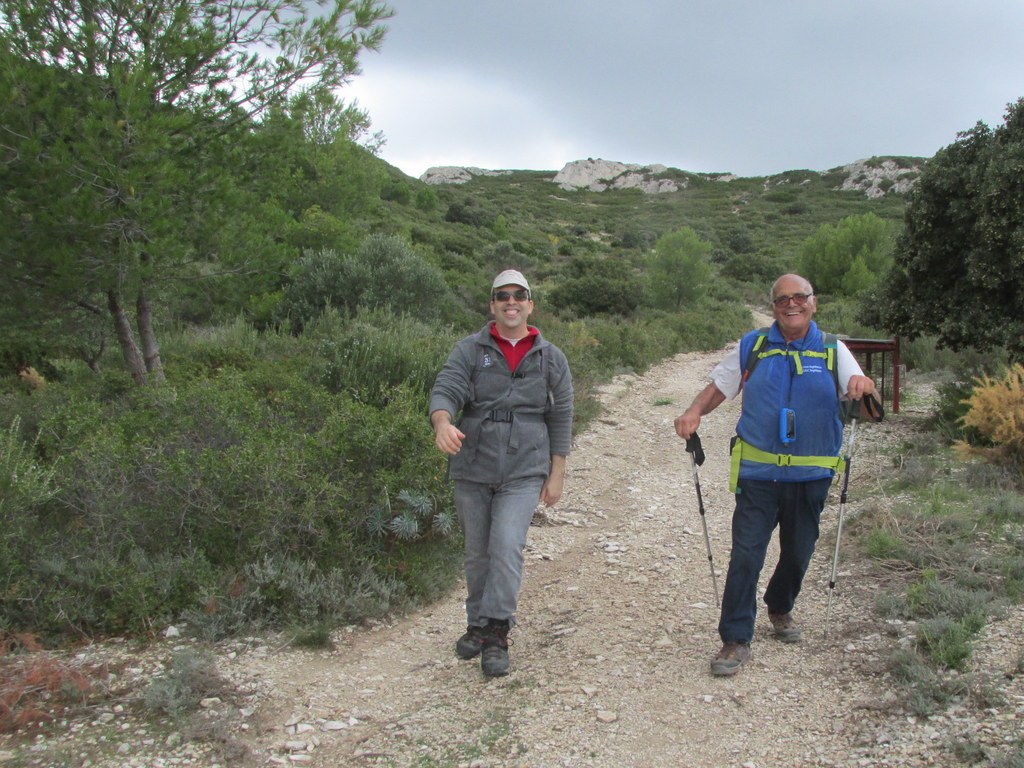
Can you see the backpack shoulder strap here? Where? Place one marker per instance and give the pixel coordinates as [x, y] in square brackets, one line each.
[753, 357]
[830, 343]
[545, 371]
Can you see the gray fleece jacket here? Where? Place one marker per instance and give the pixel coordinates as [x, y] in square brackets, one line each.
[513, 423]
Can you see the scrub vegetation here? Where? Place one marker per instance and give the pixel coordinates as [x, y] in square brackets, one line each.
[952, 551]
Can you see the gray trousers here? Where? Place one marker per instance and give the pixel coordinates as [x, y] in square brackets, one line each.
[495, 520]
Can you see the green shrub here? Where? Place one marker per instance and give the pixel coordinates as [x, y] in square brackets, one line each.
[467, 212]
[1007, 569]
[679, 269]
[991, 477]
[279, 591]
[761, 267]
[838, 315]
[925, 692]
[848, 257]
[396, 191]
[709, 324]
[967, 750]
[597, 295]
[922, 354]
[409, 516]
[191, 677]
[316, 637]
[426, 199]
[1004, 508]
[90, 588]
[948, 416]
[882, 545]
[383, 273]
[1014, 758]
[165, 496]
[318, 229]
[377, 352]
[632, 346]
[595, 286]
[25, 483]
[236, 343]
[946, 641]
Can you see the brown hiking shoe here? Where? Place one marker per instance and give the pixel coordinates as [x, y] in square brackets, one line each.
[494, 649]
[468, 646]
[784, 628]
[730, 659]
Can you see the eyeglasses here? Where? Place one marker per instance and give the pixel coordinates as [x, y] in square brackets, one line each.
[797, 298]
[521, 295]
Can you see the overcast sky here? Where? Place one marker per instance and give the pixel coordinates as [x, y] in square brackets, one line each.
[752, 87]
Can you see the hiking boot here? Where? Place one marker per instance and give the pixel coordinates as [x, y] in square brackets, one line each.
[730, 659]
[494, 648]
[468, 646]
[784, 629]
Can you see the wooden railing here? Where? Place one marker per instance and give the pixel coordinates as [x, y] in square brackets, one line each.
[887, 377]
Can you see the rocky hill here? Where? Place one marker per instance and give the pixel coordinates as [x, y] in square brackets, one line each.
[875, 177]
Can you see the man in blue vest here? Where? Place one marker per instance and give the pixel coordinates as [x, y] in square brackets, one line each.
[789, 437]
[512, 391]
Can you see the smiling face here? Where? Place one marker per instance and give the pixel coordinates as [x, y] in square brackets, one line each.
[793, 317]
[511, 314]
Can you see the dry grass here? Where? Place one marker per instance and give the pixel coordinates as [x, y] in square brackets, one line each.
[36, 686]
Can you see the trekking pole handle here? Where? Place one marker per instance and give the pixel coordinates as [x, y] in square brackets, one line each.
[873, 408]
[693, 446]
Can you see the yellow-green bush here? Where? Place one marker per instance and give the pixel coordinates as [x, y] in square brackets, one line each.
[996, 411]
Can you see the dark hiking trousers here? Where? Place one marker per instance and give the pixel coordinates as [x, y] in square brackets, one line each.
[761, 506]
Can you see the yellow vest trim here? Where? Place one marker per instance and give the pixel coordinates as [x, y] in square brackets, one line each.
[742, 450]
[827, 355]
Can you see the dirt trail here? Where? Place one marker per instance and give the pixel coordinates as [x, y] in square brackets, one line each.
[610, 659]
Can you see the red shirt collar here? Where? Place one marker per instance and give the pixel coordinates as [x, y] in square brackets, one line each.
[530, 331]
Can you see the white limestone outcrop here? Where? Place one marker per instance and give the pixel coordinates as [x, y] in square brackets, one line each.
[875, 180]
[454, 174]
[599, 175]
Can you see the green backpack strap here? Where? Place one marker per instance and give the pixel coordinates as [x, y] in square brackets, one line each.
[829, 342]
[754, 357]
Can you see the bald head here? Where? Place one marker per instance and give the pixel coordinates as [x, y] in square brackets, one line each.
[804, 285]
[793, 306]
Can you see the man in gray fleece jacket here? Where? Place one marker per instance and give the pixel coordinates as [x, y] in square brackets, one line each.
[512, 391]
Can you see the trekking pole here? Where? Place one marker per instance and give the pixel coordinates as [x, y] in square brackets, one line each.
[696, 452]
[854, 414]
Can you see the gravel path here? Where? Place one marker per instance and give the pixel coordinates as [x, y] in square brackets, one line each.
[610, 659]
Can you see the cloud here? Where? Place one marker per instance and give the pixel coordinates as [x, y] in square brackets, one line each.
[752, 88]
[454, 116]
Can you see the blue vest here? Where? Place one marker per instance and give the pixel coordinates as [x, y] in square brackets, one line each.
[792, 375]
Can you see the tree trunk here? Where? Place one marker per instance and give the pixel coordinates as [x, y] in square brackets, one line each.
[130, 350]
[92, 357]
[150, 349]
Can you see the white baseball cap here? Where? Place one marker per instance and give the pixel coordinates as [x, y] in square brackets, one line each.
[510, 277]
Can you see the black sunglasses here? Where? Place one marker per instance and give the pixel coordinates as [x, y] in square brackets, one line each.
[521, 295]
